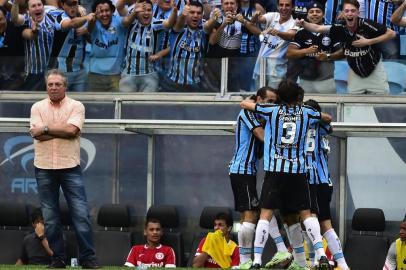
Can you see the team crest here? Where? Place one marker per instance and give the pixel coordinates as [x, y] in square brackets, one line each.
[111, 30]
[159, 255]
[326, 41]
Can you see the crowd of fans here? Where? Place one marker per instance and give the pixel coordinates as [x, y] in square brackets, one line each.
[177, 45]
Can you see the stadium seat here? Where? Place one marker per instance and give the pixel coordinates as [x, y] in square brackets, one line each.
[366, 247]
[14, 222]
[206, 223]
[169, 218]
[396, 77]
[341, 76]
[113, 242]
[69, 236]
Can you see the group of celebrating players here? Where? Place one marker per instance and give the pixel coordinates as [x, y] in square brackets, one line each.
[291, 136]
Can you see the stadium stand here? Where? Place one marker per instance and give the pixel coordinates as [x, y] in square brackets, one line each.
[114, 241]
[396, 77]
[14, 222]
[366, 247]
[169, 218]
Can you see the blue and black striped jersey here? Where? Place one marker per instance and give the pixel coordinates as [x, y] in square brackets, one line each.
[38, 50]
[317, 150]
[247, 146]
[68, 50]
[285, 136]
[186, 50]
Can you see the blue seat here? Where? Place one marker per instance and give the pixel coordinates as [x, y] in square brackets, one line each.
[396, 73]
[341, 69]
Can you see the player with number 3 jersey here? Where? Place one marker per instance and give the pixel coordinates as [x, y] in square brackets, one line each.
[285, 186]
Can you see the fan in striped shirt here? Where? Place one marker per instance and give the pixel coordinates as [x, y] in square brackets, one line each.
[142, 51]
[68, 51]
[38, 34]
[187, 46]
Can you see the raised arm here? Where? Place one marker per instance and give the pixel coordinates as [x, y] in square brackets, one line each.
[318, 28]
[212, 22]
[170, 22]
[16, 17]
[128, 20]
[248, 105]
[121, 6]
[180, 22]
[78, 21]
[397, 16]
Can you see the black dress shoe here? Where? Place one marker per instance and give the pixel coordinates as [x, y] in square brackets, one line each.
[92, 264]
[57, 263]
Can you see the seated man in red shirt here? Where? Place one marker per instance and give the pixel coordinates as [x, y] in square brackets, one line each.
[216, 250]
[152, 254]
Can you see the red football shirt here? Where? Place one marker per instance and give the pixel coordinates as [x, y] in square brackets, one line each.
[144, 256]
[210, 263]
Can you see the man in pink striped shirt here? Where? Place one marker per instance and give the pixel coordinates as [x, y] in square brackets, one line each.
[55, 124]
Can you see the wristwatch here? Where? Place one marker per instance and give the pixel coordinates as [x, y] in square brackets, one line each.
[46, 130]
[42, 237]
[328, 56]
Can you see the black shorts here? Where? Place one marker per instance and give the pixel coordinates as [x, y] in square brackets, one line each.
[320, 200]
[287, 192]
[245, 192]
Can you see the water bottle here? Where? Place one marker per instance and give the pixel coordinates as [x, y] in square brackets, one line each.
[74, 262]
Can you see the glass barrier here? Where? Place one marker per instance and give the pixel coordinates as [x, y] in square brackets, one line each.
[215, 75]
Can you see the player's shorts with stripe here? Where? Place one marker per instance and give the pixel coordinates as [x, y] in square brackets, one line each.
[287, 192]
[320, 200]
[244, 188]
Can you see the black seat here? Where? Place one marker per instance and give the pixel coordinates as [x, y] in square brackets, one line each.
[206, 223]
[113, 242]
[366, 247]
[14, 222]
[169, 218]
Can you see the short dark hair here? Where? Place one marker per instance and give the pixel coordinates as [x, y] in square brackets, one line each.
[291, 1]
[314, 104]
[3, 10]
[36, 214]
[98, 2]
[226, 217]
[289, 91]
[152, 220]
[145, 1]
[351, 2]
[196, 4]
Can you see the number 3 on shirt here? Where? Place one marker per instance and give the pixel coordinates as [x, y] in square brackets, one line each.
[289, 132]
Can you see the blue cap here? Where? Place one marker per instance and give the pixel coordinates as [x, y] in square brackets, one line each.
[315, 5]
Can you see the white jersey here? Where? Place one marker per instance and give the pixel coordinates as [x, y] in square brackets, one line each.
[274, 47]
